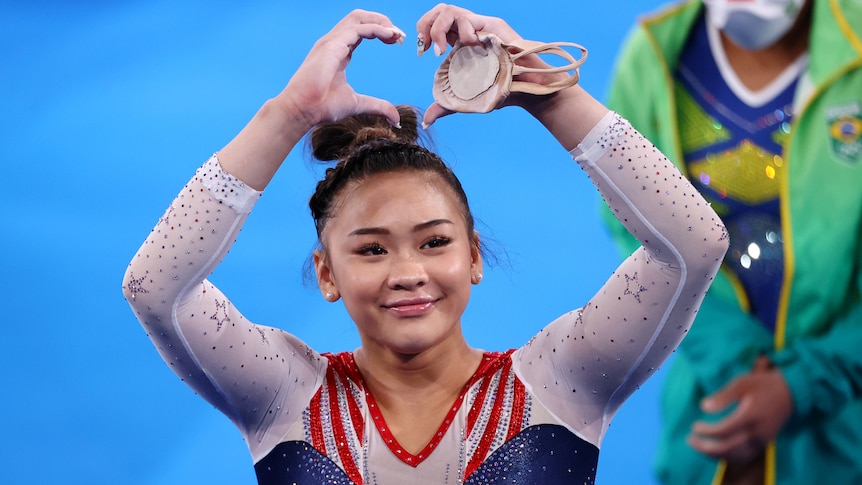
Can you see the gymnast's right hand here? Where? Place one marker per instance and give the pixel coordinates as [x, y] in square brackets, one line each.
[318, 91]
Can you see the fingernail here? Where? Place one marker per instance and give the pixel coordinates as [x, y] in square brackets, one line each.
[420, 46]
[425, 125]
[438, 51]
[401, 35]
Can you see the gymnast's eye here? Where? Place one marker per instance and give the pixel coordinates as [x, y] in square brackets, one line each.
[436, 242]
[373, 249]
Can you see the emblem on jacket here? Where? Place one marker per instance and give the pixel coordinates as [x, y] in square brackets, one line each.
[845, 131]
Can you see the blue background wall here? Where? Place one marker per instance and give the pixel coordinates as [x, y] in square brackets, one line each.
[107, 109]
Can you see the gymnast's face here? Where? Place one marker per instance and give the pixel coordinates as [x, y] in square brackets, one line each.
[398, 252]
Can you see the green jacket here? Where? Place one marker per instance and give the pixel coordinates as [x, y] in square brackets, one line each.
[818, 339]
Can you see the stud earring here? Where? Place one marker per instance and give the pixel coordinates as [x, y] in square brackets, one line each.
[329, 296]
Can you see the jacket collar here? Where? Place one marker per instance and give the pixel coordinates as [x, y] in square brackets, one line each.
[835, 45]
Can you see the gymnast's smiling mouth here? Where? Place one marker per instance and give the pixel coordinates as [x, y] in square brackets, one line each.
[411, 307]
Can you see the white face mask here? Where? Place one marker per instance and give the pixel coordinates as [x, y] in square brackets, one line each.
[753, 24]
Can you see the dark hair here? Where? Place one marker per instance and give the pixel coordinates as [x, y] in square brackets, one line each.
[365, 145]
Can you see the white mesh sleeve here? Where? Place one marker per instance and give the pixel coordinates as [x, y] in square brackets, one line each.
[256, 375]
[586, 363]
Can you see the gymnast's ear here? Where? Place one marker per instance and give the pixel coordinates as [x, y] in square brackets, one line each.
[476, 266]
[325, 278]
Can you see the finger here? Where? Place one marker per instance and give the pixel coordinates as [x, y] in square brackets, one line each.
[372, 105]
[438, 33]
[710, 446]
[423, 27]
[428, 17]
[735, 447]
[359, 16]
[361, 24]
[740, 446]
[724, 397]
[743, 418]
[421, 44]
[445, 25]
[434, 113]
[354, 34]
[762, 364]
[467, 31]
[340, 43]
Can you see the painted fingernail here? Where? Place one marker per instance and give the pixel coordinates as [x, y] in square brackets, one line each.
[438, 51]
[401, 35]
[420, 45]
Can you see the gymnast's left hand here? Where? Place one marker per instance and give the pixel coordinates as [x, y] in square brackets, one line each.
[764, 404]
[444, 25]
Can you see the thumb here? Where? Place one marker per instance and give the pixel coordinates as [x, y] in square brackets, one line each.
[433, 113]
[372, 105]
[762, 364]
[724, 397]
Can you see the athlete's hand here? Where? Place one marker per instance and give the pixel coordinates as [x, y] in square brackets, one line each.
[444, 25]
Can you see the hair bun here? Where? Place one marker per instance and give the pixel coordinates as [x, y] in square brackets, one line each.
[371, 133]
[335, 141]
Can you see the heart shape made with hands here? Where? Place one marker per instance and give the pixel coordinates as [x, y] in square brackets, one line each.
[477, 78]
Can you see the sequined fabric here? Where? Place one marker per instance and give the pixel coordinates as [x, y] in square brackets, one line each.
[298, 463]
[537, 411]
[539, 455]
[733, 154]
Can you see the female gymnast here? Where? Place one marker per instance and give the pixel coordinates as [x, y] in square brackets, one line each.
[415, 403]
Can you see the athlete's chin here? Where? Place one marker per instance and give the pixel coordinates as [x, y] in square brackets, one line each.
[413, 344]
[412, 348]
[410, 337]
